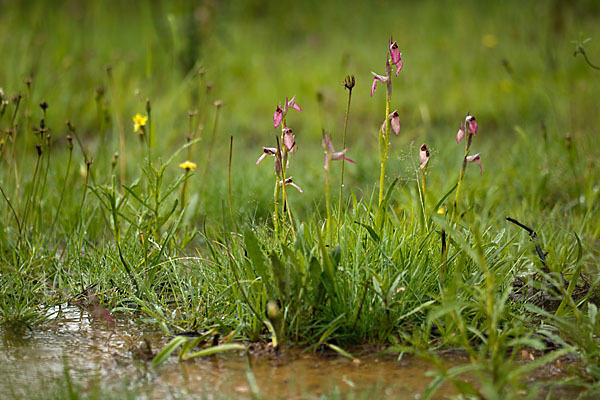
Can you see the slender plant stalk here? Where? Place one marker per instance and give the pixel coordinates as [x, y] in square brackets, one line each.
[343, 147]
[462, 173]
[282, 149]
[218, 105]
[33, 185]
[150, 139]
[62, 192]
[229, 184]
[384, 138]
[13, 211]
[327, 200]
[121, 130]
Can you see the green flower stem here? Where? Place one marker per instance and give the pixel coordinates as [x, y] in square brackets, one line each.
[327, 199]
[276, 203]
[384, 137]
[284, 155]
[344, 161]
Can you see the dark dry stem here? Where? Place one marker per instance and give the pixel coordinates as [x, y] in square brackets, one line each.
[581, 50]
[534, 238]
[229, 184]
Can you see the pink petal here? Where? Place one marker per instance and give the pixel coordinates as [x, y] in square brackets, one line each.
[288, 139]
[395, 119]
[424, 155]
[396, 57]
[278, 116]
[377, 78]
[461, 133]
[292, 103]
[329, 144]
[261, 158]
[267, 151]
[373, 87]
[347, 159]
[474, 158]
[289, 182]
[473, 126]
[339, 155]
[398, 66]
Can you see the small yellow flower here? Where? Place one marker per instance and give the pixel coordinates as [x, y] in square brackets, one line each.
[441, 210]
[188, 166]
[139, 121]
[490, 41]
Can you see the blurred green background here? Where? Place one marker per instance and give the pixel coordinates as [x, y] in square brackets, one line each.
[509, 63]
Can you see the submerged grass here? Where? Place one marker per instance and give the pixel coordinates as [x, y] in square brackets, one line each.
[144, 237]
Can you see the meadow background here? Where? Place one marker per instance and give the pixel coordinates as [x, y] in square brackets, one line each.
[511, 64]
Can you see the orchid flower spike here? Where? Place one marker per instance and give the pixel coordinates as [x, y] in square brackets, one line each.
[330, 153]
[424, 156]
[267, 151]
[475, 158]
[472, 124]
[396, 56]
[395, 121]
[377, 78]
[289, 182]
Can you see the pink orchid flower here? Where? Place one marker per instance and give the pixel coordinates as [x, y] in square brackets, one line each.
[460, 135]
[475, 158]
[289, 182]
[424, 156]
[267, 151]
[278, 116]
[395, 121]
[292, 104]
[377, 78]
[280, 113]
[472, 124]
[396, 56]
[288, 139]
[331, 154]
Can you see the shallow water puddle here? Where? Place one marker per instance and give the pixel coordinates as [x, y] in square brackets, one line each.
[96, 355]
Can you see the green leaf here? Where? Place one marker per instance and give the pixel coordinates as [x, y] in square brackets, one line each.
[371, 231]
[257, 258]
[382, 209]
[166, 351]
[214, 350]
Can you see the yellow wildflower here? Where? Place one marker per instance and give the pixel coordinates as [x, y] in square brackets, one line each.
[490, 41]
[188, 166]
[139, 122]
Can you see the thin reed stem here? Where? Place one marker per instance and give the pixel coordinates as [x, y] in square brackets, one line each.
[343, 147]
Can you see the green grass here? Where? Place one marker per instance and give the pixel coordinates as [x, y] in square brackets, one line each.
[381, 278]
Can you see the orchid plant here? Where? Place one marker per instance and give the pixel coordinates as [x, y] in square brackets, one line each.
[469, 129]
[286, 147]
[392, 119]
